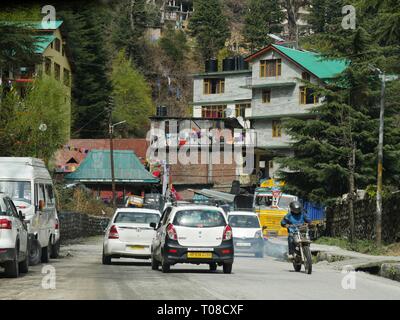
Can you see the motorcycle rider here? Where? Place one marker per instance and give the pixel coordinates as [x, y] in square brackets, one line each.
[296, 216]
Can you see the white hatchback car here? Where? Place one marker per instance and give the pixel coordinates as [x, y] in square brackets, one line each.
[247, 231]
[129, 234]
[14, 253]
[194, 234]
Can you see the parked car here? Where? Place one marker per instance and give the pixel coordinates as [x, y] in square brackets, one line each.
[248, 235]
[129, 234]
[194, 234]
[28, 183]
[14, 250]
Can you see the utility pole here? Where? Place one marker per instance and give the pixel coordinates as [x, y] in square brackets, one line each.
[111, 132]
[380, 163]
[351, 197]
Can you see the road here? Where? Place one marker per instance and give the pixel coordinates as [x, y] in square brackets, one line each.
[80, 275]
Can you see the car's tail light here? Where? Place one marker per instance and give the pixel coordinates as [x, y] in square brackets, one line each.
[57, 226]
[113, 234]
[226, 251]
[227, 233]
[171, 232]
[172, 251]
[5, 224]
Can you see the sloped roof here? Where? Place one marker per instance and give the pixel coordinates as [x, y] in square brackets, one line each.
[97, 168]
[137, 145]
[311, 61]
[43, 42]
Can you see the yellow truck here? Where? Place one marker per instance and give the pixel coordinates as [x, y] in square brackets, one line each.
[272, 205]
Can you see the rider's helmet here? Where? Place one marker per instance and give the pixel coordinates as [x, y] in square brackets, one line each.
[295, 207]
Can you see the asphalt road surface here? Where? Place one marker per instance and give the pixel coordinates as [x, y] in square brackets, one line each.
[79, 274]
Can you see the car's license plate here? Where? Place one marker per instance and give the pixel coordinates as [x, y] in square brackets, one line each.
[243, 244]
[136, 247]
[204, 255]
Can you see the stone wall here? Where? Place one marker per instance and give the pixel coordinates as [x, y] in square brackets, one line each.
[337, 219]
[77, 225]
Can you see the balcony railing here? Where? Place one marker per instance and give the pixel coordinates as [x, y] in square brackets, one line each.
[238, 139]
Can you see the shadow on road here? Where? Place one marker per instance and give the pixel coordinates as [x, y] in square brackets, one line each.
[131, 263]
[198, 271]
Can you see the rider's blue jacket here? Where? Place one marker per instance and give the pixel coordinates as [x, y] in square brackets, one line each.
[294, 219]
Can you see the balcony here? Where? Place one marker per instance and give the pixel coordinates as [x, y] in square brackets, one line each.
[211, 138]
[269, 82]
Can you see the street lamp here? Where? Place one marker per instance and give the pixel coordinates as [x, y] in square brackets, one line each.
[111, 132]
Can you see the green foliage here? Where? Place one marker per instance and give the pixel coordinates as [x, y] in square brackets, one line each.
[132, 96]
[26, 12]
[85, 26]
[129, 24]
[348, 117]
[47, 103]
[209, 26]
[81, 200]
[17, 45]
[262, 18]
[362, 246]
[174, 44]
[325, 13]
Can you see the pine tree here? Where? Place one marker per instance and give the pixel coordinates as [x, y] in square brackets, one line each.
[85, 29]
[262, 18]
[324, 13]
[335, 150]
[209, 26]
[131, 19]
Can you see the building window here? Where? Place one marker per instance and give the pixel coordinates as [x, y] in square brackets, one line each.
[307, 96]
[213, 111]
[270, 68]
[271, 164]
[240, 109]
[266, 96]
[67, 77]
[57, 45]
[47, 66]
[306, 76]
[214, 86]
[57, 71]
[276, 128]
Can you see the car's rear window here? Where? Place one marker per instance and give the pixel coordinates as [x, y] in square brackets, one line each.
[199, 218]
[243, 221]
[136, 217]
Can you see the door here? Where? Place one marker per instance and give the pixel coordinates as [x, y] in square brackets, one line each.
[18, 228]
[161, 231]
[50, 209]
[42, 215]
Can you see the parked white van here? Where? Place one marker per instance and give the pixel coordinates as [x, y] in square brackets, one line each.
[28, 183]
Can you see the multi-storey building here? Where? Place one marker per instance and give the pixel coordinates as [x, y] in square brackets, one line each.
[51, 47]
[272, 89]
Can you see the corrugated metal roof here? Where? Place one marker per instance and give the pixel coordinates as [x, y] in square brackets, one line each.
[42, 42]
[97, 168]
[47, 25]
[314, 62]
[311, 61]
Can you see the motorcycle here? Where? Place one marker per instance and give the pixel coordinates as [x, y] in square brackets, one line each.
[302, 252]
